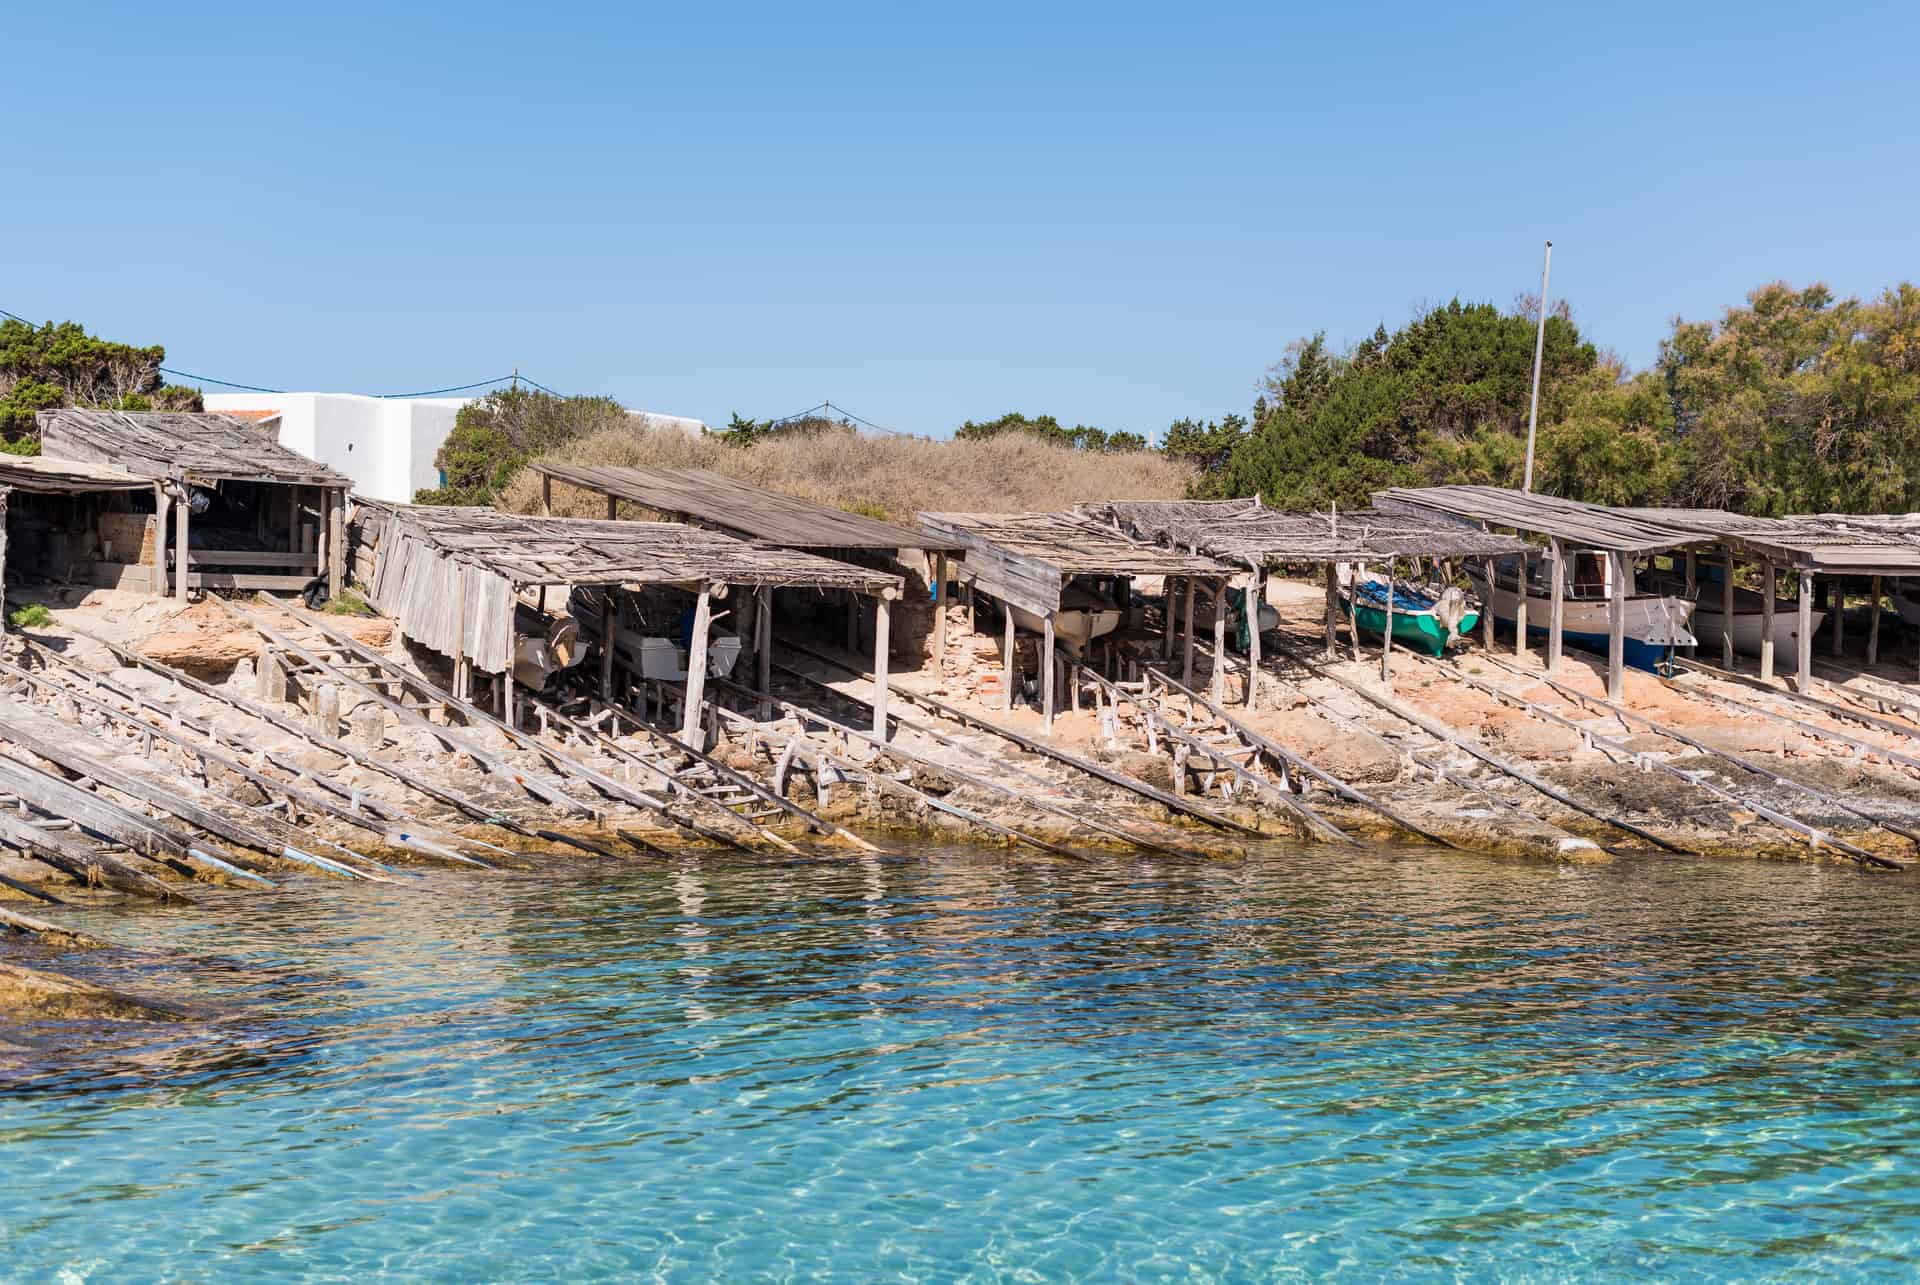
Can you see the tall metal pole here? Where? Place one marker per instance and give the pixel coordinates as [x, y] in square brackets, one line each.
[1539, 347]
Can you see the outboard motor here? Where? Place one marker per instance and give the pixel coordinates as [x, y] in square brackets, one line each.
[1450, 608]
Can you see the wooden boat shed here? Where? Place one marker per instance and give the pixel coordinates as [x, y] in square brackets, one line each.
[248, 513]
[703, 498]
[1025, 560]
[1247, 533]
[453, 579]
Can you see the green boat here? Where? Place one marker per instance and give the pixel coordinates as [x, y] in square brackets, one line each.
[1422, 621]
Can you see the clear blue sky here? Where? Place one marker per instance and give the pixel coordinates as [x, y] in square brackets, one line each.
[1114, 216]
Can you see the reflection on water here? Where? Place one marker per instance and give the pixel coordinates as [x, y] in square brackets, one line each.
[974, 1065]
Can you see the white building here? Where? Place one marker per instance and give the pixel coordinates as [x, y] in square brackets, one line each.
[385, 444]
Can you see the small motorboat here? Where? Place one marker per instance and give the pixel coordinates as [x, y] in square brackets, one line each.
[1426, 618]
[1749, 618]
[1906, 601]
[1656, 623]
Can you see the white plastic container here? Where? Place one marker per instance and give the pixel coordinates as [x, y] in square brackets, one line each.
[659, 658]
[722, 652]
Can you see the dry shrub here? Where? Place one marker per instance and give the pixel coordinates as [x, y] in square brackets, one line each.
[892, 476]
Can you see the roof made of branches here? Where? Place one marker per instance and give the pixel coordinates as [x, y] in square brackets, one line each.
[179, 446]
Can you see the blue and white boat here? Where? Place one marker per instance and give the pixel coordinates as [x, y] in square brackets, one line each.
[1656, 623]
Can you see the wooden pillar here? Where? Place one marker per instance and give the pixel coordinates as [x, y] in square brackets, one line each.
[763, 680]
[1520, 614]
[1838, 598]
[160, 516]
[1557, 604]
[1353, 609]
[1873, 626]
[1006, 678]
[1186, 662]
[336, 542]
[1617, 628]
[1726, 611]
[1333, 613]
[853, 621]
[461, 674]
[1219, 640]
[1256, 595]
[1167, 620]
[546, 496]
[294, 542]
[1046, 675]
[612, 508]
[882, 629]
[1693, 590]
[185, 573]
[1766, 619]
[1486, 617]
[507, 696]
[967, 594]
[609, 616]
[1123, 590]
[1805, 640]
[696, 690]
[940, 611]
[1386, 635]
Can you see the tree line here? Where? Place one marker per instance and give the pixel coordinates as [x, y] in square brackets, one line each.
[52, 366]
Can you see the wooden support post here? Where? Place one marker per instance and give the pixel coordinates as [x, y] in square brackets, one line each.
[1486, 617]
[1220, 640]
[1767, 608]
[1726, 610]
[1353, 609]
[1693, 590]
[1520, 614]
[609, 615]
[1167, 619]
[696, 690]
[160, 516]
[1386, 635]
[967, 595]
[1805, 640]
[1123, 590]
[1617, 628]
[462, 676]
[853, 621]
[1186, 662]
[1006, 678]
[1873, 626]
[1046, 675]
[508, 697]
[546, 496]
[1838, 598]
[1557, 605]
[940, 611]
[763, 680]
[1256, 598]
[184, 574]
[336, 542]
[1333, 613]
[882, 641]
[613, 506]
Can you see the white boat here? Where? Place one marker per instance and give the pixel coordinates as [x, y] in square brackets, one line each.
[1749, 620]
[1656, 623]
[1073, 627]
[1906, 600]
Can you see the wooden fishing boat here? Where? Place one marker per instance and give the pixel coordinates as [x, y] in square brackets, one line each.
[1656, 623]
[1082, 618]
[1425, 618]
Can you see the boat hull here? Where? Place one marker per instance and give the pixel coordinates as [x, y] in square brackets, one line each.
[1749, 628]
[1414, 630]
[1071, 627]
[1656, 623]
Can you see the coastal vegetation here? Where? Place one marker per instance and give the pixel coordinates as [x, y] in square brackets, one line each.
[56, 365]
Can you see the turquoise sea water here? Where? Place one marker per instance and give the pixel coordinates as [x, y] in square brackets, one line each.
[969, 1065]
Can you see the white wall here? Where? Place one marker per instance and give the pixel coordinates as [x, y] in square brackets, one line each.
[385, 444]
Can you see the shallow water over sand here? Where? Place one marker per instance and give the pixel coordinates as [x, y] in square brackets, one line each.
[969, 1064]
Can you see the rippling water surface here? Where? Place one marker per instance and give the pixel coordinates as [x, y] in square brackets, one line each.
[967, 1065]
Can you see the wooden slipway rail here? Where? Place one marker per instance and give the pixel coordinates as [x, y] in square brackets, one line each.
[1183, 742]
[938, 737]
[484, 813]
[1830, 708]
[729, 798]
[1427, 760]
[313, 655]
[796, 744]
[1132, 785]
[1467, 745]
[155, 722]
[1811, 834]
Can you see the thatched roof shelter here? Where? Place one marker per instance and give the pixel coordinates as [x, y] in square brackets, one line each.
[1249, 534]
[176, 445]
[1026, 558]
